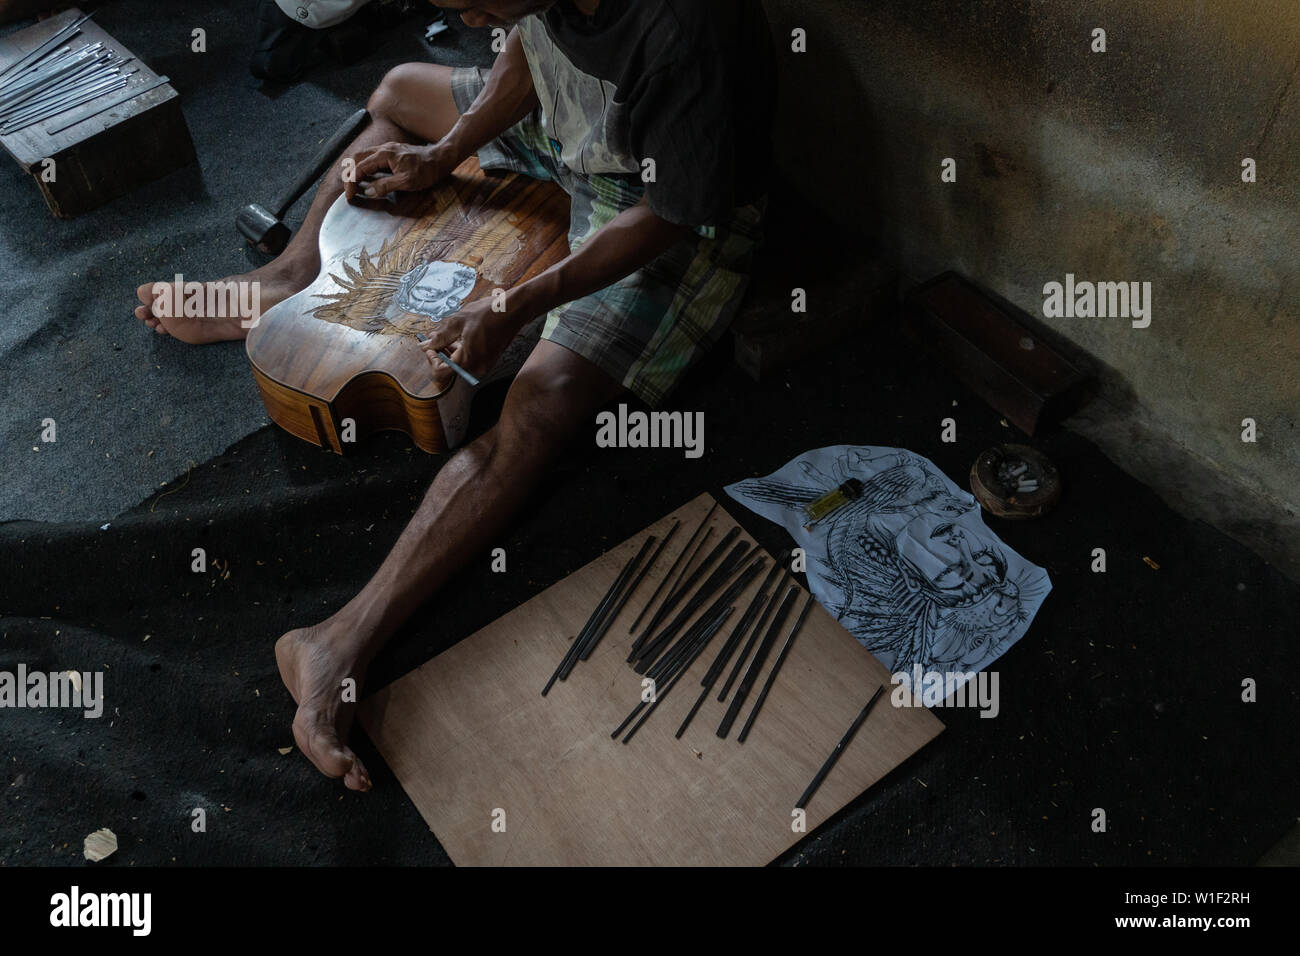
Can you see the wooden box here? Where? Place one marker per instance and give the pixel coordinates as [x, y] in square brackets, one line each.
[109, 154]
[993, 352]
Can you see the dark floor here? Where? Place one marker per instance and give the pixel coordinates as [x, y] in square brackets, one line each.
[1125, 694]
[134, 409]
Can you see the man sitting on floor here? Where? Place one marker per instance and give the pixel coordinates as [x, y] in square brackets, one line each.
[584, 93]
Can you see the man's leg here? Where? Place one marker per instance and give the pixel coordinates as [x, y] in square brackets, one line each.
[555, 395]
[413, 103]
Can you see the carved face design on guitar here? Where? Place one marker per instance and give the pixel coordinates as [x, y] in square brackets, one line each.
[435, 289]
[398, 290]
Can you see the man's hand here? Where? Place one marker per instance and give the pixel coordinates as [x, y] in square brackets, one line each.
[412, 168]
[474, 337]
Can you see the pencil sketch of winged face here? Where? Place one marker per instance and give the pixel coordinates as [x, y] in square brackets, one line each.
[908, 566]
[398, 290]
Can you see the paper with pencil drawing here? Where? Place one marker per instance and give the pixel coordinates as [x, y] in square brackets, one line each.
[908, 566]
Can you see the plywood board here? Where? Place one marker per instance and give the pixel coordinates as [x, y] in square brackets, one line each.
[472, 740]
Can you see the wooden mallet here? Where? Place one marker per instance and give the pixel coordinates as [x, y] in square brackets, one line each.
[265, 229]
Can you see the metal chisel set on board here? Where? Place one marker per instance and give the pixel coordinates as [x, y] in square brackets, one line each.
[668, 646]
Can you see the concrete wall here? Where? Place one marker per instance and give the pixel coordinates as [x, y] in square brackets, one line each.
[1123, 165]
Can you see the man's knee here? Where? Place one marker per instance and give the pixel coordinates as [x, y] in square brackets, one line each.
[407, 83]
[417, 98]
[387, 95]
[549, 404]
[541, 406]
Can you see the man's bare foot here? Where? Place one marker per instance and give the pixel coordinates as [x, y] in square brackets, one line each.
[225, 311]
[314, 668]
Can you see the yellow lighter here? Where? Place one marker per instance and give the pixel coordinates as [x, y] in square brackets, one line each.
[833, 500]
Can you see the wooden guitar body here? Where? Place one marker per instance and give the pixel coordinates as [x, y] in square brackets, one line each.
[345, 347]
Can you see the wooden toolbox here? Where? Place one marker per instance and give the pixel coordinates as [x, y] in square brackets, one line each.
[994, 352]
[110, 153]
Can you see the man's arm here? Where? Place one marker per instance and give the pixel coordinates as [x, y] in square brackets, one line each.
[477, 335]
[627, 242]
[506, 98]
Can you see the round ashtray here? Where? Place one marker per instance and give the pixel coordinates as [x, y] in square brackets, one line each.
[1015, 481]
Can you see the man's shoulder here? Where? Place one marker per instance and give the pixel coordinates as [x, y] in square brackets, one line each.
[672, 28]
[705, 21]
[702, 11]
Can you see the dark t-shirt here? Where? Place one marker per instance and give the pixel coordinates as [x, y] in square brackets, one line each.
[687, 83]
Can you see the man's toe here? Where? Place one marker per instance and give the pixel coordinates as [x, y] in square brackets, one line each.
[357, 778]
[322, 746]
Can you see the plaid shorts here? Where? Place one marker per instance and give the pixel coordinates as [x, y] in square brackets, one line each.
[647, 329]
